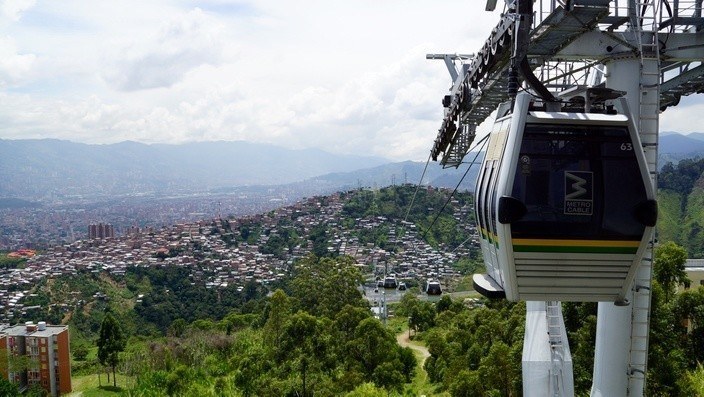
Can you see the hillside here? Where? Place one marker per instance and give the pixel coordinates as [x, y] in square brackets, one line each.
[221, 262]
[681, 205]
[692, 233]
[52, 170]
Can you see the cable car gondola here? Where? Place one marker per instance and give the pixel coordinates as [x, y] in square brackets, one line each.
[565, 205]
[390, 281]
[433, 288]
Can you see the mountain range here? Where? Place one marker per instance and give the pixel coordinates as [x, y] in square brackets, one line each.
[53, 168]
[48, 169]
[674, 147]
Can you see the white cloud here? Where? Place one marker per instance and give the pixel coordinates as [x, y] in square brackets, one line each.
[686, 117]
[181, 45]
[387, 112]
[13, 9]
[13, 66]
[348, 77]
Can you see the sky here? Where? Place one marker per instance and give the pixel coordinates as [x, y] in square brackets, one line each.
[348, 77]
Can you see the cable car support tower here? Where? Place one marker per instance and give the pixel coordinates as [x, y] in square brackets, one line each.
[652, 51]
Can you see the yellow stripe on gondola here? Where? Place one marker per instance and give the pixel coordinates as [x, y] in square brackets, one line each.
[489, 236]
[575, 246]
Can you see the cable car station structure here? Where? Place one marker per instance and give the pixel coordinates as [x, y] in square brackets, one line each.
[585, 65]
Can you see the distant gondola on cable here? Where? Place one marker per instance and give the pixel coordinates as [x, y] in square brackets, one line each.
[432, 287]
[390, 281]
[565, 204]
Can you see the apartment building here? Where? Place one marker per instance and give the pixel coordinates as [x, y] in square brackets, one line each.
[47, 350]
[101, 230]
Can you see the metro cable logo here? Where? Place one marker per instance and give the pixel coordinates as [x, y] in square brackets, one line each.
[579, 192]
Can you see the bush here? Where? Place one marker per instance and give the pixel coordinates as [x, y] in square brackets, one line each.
[80, 353]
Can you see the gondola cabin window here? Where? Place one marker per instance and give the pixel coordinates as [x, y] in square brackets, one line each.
[578, 181]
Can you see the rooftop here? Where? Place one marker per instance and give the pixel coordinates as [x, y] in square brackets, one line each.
[21, 330]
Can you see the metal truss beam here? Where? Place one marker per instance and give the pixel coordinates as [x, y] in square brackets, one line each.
[482, 85]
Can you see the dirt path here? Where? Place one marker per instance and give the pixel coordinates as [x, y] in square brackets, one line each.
[404, 341]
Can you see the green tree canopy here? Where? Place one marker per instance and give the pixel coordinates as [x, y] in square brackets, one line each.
[668, 267]
[303, 345]
[681, 178]
[8, 388]
[277, 311]
[324, 286]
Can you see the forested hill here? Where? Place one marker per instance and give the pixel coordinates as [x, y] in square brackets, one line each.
[681, 205]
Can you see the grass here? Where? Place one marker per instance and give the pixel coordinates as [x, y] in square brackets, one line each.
[421, 385]
[397, 324]
[87, 386]
[464, 284]
[464, 294]
[92, 350]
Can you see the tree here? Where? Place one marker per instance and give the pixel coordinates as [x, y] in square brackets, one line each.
[695, 381]
[367, 390]
[8, 388]
[409, 362]
[35, 390]
[278, 310]
[467, 384]
[499, 370]
[407, 304]
[15, 363]
[300, 345]
[252, 362]
[668, 267]
[318, 235]
[177, 328]
[347, 320]
[372, 345]
[445, 303]
[324, 286]
[422, 316]
[110, 343]
[388, 376]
